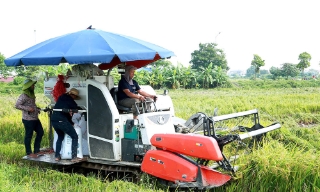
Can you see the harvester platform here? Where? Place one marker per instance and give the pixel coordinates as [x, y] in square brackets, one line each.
[129, 170]
[49, 158]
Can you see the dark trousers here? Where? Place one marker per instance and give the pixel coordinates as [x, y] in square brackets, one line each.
[61, 128]
[30, 126]
[130, 102]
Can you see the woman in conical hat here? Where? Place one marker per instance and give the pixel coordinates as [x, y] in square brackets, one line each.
[30, 112]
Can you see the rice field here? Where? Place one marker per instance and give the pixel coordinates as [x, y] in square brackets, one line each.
[287, 161]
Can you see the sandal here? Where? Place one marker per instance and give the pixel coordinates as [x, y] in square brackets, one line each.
[58, 158]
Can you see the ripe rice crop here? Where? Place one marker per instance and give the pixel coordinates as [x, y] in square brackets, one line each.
[288, 160]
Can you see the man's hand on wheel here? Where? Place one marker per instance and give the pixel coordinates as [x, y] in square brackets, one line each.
[141, 98]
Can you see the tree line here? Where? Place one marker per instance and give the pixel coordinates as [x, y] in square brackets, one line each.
[207, 69]
[286, 70]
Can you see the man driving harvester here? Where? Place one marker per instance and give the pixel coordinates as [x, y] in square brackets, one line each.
[128, 90]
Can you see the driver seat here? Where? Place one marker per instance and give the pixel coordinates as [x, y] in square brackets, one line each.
[114, 94]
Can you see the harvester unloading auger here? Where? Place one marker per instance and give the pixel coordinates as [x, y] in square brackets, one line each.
[183, 160]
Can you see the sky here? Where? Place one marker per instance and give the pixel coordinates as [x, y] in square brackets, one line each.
[277, 30]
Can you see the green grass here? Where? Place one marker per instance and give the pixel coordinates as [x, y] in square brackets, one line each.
[15, 177]
[287, 161]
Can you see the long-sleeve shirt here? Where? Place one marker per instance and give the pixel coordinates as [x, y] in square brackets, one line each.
[65, 101]
[24, 103]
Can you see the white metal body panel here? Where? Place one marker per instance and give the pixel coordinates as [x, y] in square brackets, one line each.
[152, 123]
[115, 125]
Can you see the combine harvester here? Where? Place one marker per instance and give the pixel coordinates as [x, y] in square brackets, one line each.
[181, 153]
[176, 151]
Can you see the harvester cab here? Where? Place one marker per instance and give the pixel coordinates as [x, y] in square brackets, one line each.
[181, 153]
[111, 129]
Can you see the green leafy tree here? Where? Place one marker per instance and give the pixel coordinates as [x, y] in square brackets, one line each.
[208, 53]
[116, 76]
[28, 71]
[250, 71]
[61, 69]
[289, 70]
[142, 77]
[275, 72]
[4, 70]
[312, 72]
[35, 72]
[264, 72]
[304, 61]
[257, 62]
[155, 77]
